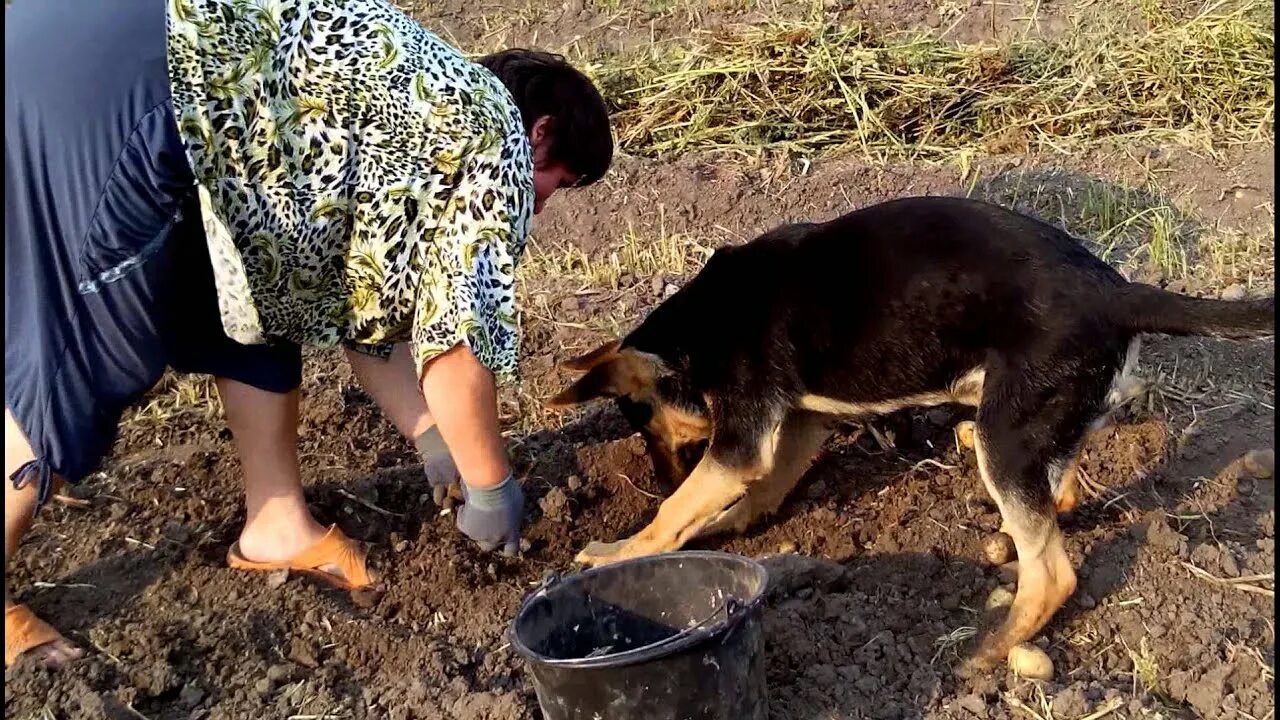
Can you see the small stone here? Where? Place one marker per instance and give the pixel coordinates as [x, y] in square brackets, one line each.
[574, 483]
[525, 545]
[276, 578]
[669, 290]
[998, 548]
[190, 696]
[787, 548]
[279, 673]
[401, 546]
[263, 687]
[365, 597]
[1234, 292]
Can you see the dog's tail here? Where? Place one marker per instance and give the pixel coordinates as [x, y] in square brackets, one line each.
[1148, 309]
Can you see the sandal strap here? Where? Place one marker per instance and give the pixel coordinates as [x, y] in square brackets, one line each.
[335, 548]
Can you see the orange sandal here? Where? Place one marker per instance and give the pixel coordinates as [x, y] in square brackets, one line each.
[335, 549]
[24, 631]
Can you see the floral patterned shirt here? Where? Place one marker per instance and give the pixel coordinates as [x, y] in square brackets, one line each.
[361, 182]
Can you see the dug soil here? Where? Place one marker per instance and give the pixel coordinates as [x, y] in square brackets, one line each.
[877, 569]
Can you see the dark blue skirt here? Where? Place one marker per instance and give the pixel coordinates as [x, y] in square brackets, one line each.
[107, 275]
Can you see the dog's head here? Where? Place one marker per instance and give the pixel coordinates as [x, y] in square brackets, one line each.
[656, 400]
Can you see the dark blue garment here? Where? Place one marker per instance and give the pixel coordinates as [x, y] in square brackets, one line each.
[107, 274]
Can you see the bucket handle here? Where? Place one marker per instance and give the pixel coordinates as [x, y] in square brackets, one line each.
[731, 607]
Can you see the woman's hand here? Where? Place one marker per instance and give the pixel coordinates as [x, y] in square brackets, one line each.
[442, 473]
[492, 516]
[463, 398]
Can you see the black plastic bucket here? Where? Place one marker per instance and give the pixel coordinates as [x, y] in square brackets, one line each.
[667, 637]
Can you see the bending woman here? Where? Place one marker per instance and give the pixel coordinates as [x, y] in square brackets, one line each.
[209, 185]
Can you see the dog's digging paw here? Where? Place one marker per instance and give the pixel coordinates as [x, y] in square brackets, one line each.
[600, 553]
[976, 667]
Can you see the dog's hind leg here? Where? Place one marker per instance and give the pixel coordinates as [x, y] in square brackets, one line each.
[1030, 427]
[1046, 577]
[802, 436]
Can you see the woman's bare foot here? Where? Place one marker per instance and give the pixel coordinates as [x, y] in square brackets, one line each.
[30, 639]
[283, 542]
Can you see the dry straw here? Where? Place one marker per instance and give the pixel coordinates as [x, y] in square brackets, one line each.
[1204, 81]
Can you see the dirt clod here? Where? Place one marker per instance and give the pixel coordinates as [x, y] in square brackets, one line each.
[555, 504]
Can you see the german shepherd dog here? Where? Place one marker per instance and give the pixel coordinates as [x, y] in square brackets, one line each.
[736, 380]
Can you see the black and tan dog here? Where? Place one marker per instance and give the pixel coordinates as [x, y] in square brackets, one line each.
[735, 380]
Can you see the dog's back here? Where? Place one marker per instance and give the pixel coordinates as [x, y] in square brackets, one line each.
[902, 298]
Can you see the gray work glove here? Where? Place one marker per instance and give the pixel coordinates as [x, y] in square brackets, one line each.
[438, 465]
[492, 516]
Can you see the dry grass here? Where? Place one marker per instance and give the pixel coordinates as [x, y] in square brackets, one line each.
[1141, 230]
[177, 395]
[632, 255]
[808, 86]
[1146, 669]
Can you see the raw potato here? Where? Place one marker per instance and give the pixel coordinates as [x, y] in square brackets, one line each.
[1029, 661]
[999, 549]
[999, 598]
[965, 434]
[1260, 463]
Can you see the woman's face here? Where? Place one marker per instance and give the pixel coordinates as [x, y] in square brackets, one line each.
[548, 176]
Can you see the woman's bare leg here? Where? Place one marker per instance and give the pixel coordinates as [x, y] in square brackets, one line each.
[278, 525]
[19, 511]
[393, 385]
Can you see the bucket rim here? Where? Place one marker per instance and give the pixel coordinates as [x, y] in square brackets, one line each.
[668, 646]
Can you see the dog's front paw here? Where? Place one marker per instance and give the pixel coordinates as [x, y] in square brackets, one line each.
[601, 553]
[976, 667]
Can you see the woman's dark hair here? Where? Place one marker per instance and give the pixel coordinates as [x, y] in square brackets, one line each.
[545, 85]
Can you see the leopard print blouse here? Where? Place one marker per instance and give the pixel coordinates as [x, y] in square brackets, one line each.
[361, 182]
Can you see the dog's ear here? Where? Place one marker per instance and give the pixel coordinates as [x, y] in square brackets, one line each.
[583, 363]
[612, 374]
